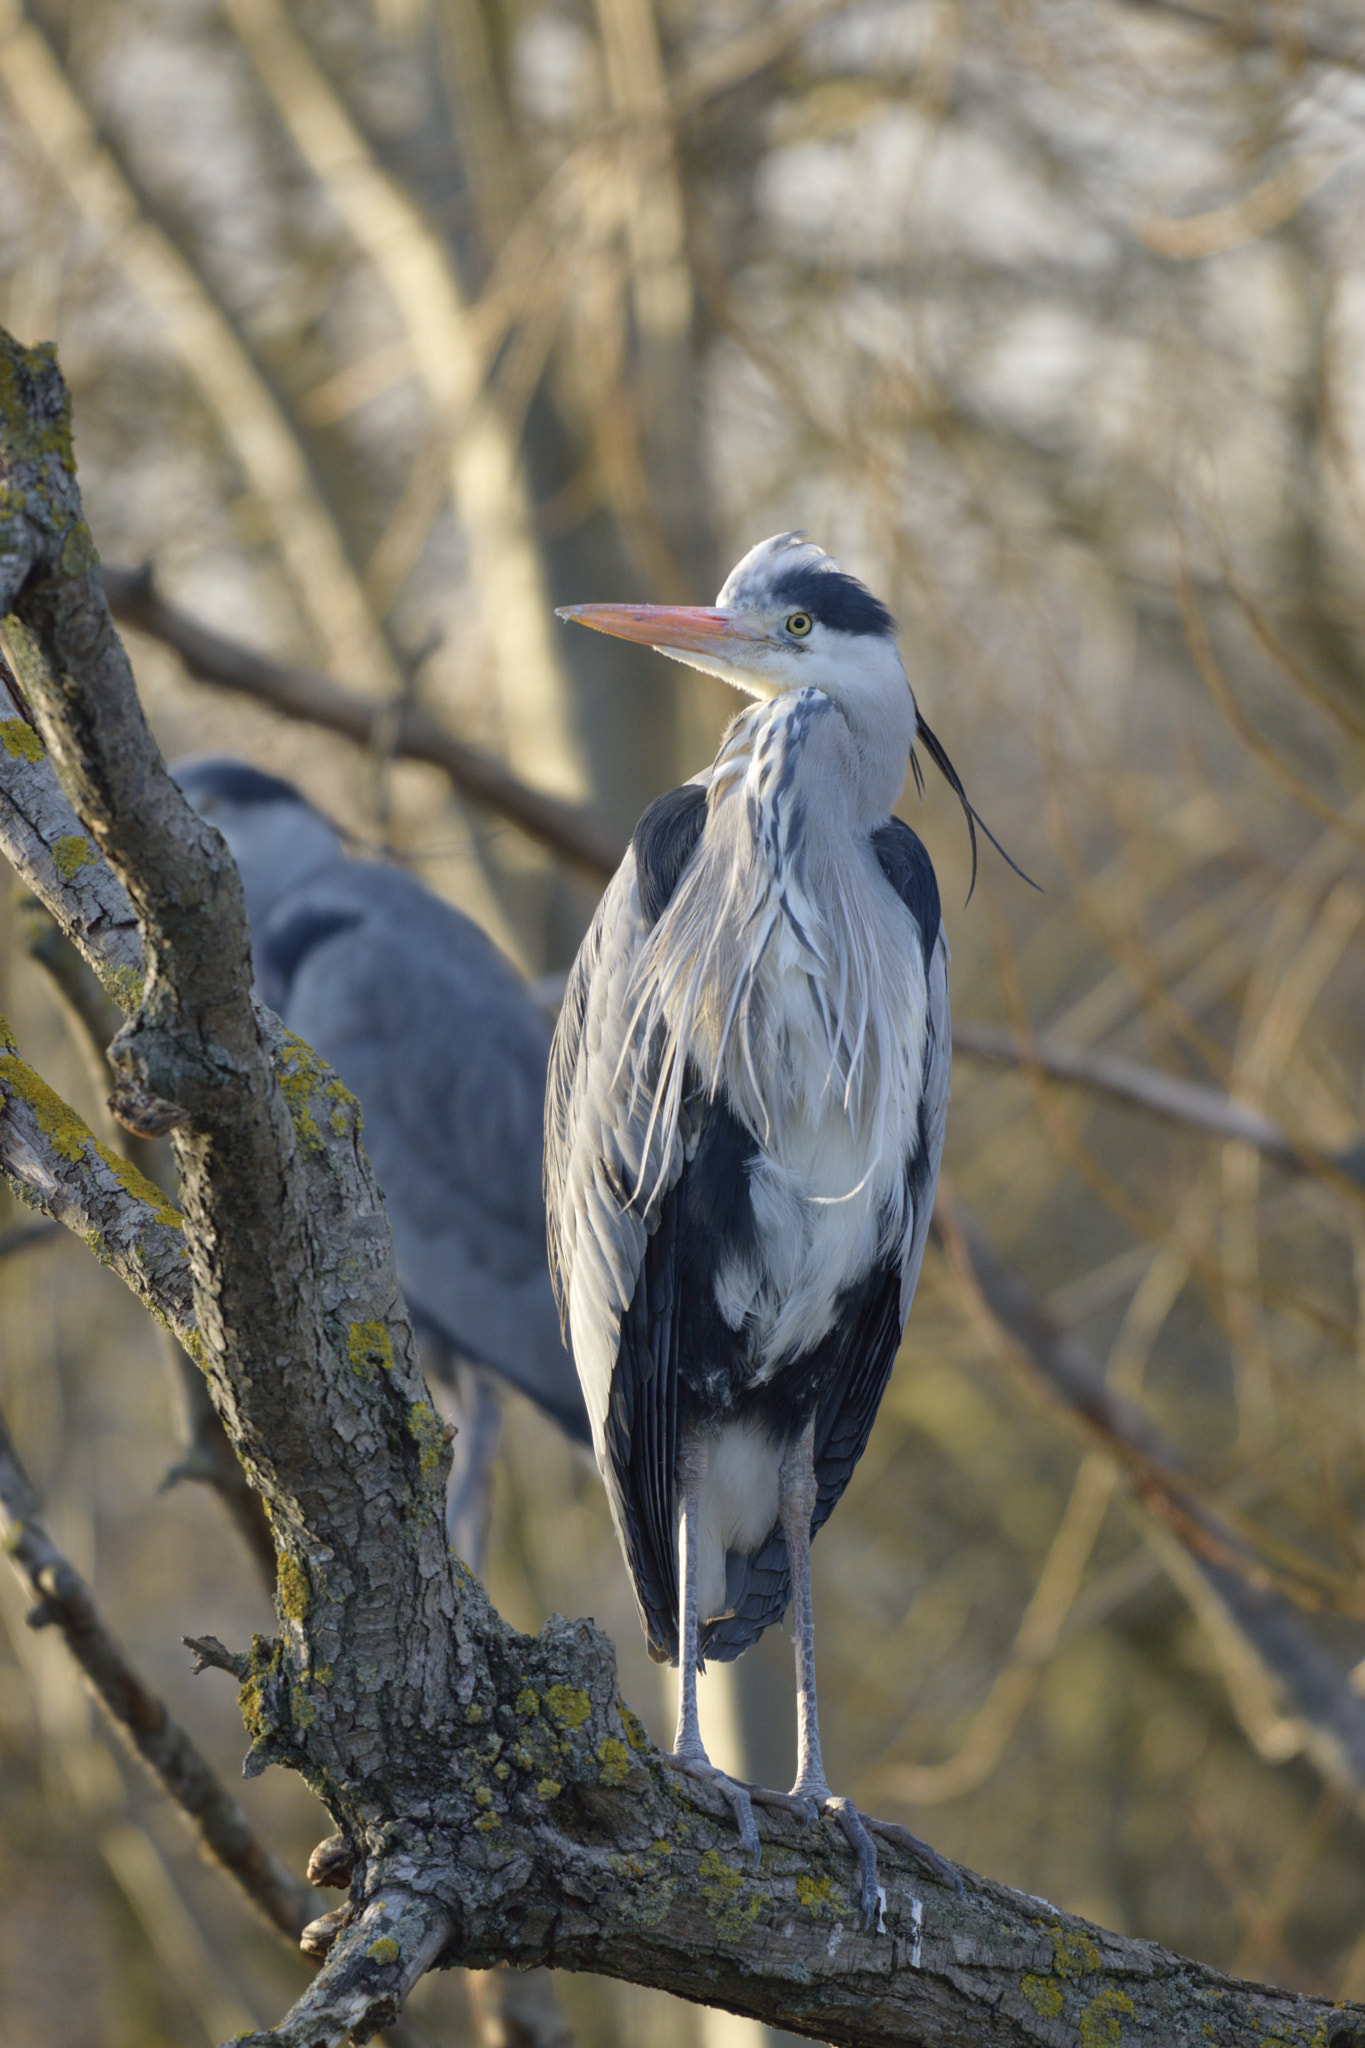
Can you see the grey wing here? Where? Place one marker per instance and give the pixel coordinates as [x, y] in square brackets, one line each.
[432, 1029]
[938, 1074]
[607, 1172]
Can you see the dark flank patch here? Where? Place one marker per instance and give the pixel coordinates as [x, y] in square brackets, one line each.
[908, 868]
[236, 782]
[664, 841]
[286, 944]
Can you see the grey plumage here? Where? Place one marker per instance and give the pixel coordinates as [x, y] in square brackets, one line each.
[435, 1032]
[745, 1119]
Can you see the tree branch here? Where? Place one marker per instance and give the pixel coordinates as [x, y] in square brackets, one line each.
[408, 731]
[497, 1798]
[66, 1602]
[1190, 1534]
[1162, 1095]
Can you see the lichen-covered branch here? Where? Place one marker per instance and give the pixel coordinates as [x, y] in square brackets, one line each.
[64, 1601]
[495, 1798]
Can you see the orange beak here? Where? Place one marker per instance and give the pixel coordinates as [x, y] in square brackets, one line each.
[693, 629]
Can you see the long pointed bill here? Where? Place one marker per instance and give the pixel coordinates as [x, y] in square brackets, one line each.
[670, 628]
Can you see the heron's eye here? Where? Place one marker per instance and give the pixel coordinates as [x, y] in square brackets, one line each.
[799, 624]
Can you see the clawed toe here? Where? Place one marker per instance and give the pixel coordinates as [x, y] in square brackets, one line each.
[732, 1790]
[871, 1895]
[938, 1866]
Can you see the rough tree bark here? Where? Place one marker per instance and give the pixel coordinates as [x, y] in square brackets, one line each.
[495, 1797]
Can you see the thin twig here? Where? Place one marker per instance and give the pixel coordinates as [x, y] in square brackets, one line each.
[1162, 1095]
[66, 1602]
[1250, 1593]
[417, 736]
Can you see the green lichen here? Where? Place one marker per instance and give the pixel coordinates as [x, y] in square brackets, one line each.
[59, 1123]
[816, 1894]
[1044, 1996]
[370, 1349]
[614, 1758]
[571, 1709]
[78, 550]
[70, 853]
[138, 1185]
[527, 1703]
[303, 1712]
[721, 1895]
[635, 1730]
[483, 1797]
[473, 1713]
[21, 741]
[1073, 1954]
[1101, 2023]
[502, 1772]
[428, 1433]
[488, 1823]
[385, 1950]
[125, 985]
[292, 1589]
[26, 437]
[548, 1788]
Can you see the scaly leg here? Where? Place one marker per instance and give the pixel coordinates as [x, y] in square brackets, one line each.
[689, 1751]
[796, 1504]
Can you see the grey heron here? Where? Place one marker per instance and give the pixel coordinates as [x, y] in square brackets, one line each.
[435, 1032]
[744, 1122]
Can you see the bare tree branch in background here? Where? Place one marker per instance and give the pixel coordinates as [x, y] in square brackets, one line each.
[415, 734]
[65, 1601]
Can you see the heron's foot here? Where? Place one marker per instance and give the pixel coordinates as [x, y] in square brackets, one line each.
[858, 1830]
[732, 1790]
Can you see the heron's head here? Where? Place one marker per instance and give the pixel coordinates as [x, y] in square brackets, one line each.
[788, 618]
[273, 833]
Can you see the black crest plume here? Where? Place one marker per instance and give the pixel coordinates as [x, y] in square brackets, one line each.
[938, 754]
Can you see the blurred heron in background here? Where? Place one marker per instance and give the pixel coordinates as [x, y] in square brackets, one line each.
[435, 1032]
[744, 1124]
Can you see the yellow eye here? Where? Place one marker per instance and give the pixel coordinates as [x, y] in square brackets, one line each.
[799, 624]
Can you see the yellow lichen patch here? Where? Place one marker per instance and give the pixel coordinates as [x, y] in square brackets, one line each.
[1073, 1954]
[70, 853]
[68, 1133]
[125, 985]
[138, 1185]
[292, 1588]
[635, 1731]
[20, 740]
[817, 1896]
[473, 1713]
[549, 1788]
[385, 1950]
[527, 1703]
[483, 1797]
[488, 1823]
[1102, 2021]
[571, 1709]
[1044, 1996]
[369, 1348]
[614, 1758]
[720, 1894]
[428, 1432]
[301, 1707]
[300, 1074]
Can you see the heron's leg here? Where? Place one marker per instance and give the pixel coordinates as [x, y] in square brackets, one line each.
[689, 1751]
[688, 1742]
[797, 1494]
[469, 1502]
